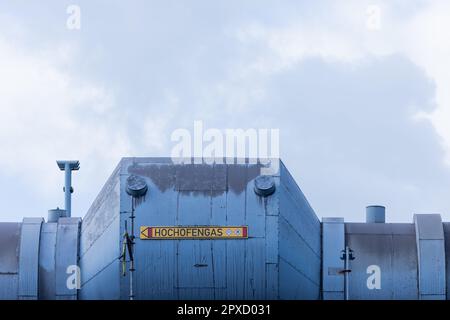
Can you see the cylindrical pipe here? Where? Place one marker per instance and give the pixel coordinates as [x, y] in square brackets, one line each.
[346, 267]
[132, 269]
[55, 214]
[67, 188]
[375, 214]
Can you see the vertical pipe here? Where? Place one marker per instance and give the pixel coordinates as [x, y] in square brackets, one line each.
[346, 265]
[67, 188]
[132, 250]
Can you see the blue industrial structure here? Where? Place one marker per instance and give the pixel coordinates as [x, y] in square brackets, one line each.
[288, 254]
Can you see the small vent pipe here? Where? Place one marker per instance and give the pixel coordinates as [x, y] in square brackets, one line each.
[375, 214]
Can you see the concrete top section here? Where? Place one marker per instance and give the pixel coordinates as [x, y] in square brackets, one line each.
[332, 220]
[429, 226]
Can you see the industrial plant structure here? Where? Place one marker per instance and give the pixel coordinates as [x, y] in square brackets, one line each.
[165, 230]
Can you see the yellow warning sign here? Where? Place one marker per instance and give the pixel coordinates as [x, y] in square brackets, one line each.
[193, 232]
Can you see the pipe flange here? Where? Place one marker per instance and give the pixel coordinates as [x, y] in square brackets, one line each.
[264, 185]
[136, 186]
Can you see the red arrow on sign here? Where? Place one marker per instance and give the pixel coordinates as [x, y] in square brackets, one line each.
[147, 232]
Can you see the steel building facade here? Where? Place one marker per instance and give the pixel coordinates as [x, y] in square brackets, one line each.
[287, 254]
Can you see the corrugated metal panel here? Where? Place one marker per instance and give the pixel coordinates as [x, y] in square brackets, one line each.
[29, 258]
[255, 246]
[220, 194]
[272, 252]
[333, 242]
[159, 208]
[67, 240]
[431, 255]
[214, 269]
[8, 286]
[235, 250]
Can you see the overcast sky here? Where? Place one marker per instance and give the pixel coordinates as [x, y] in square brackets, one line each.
[359, 90]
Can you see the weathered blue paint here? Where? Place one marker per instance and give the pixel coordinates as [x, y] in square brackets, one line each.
[201, 194]
[392, 248]
[289, 254]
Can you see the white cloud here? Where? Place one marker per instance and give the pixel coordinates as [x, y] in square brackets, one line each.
[341, 34]
[47, 113]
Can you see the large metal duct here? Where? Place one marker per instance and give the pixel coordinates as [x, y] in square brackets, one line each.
[35, 257]
[391, 261]
[279, 259]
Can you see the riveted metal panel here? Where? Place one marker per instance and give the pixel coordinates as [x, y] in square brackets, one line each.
[47, 250]
[156, 261]
[333, 242]
[431, 255]
[29, 258]
[67, 241]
